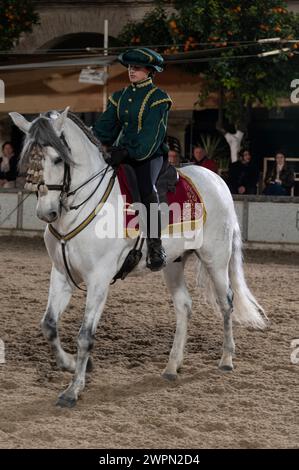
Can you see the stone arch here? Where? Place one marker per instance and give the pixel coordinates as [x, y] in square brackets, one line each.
[59, 22]
[78, 41]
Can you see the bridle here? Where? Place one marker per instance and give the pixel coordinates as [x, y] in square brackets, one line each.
[64, 188]
[38, 185]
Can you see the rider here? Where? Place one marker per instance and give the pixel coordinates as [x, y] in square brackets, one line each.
[135, 123]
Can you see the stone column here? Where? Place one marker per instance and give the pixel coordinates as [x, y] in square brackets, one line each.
[177, 123]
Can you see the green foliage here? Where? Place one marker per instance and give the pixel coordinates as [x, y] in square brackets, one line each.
[224, 28]
[153, 29]
[216, 148]
[16, 17]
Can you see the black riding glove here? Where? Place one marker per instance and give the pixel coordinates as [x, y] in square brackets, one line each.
[117, 156]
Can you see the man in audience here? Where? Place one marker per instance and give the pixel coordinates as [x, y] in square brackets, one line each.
[173, 157]
[243, 175]
[201, 158]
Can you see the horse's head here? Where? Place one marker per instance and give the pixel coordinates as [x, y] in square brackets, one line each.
[46, 157]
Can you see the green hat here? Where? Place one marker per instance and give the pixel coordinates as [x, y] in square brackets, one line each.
[142, 57]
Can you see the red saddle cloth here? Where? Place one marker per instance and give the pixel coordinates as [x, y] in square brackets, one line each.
[189, 214]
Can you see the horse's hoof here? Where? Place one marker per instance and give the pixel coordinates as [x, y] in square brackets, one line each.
[66, 402]
[226, 368]
[67, 369]
[169, 376]
[89, 366]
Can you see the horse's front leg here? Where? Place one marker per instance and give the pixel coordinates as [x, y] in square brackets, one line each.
[95, 302]
[60, 293]
[175, 281]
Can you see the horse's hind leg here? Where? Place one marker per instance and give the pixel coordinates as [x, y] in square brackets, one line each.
[59, 296]
[174, 277]
[225, 301]
[217, 268]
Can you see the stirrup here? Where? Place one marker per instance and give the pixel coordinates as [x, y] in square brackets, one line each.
[131, 261]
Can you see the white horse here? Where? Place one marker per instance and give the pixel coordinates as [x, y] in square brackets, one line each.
[65, 144]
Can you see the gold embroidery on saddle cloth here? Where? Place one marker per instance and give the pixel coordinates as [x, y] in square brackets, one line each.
[35, 176]
[193, 220]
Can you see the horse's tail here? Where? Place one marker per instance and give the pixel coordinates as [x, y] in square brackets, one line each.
[246, 310]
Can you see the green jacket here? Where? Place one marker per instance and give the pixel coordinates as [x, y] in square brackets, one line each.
[136, 118]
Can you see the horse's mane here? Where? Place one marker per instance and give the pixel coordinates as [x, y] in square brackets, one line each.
[87, 131]
[42, 134]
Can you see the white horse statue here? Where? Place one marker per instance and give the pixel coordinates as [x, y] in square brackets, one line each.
[76, 177]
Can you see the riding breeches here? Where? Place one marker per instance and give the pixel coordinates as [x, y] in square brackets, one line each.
[147, 173]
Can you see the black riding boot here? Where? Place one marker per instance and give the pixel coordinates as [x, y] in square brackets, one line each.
[156, 256]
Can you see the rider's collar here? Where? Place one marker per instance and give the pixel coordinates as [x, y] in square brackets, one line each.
[148, 81]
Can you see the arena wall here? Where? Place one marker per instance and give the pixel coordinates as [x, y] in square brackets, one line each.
[266, 222]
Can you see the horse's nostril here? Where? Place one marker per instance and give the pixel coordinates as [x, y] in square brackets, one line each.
[53, 215]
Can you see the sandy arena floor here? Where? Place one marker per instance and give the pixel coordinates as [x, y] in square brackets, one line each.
[126, 403]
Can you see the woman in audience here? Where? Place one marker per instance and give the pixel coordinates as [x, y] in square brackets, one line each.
[280, 179]
[8, 166]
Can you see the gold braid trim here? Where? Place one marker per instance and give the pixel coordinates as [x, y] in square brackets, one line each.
[147, 82]
[118, 104]
[164, 100]
[145, 53]
[112, 101]
[142, 107]
[155, 141]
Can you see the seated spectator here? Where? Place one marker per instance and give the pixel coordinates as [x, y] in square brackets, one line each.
[173, 157]
[280, 179]
[201, 158]
[174, 144]
[8, 166]
[243, 175]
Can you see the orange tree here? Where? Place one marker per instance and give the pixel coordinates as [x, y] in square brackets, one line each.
[16, 17]
[220, 41]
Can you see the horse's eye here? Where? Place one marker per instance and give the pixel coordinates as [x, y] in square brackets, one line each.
[57, 160]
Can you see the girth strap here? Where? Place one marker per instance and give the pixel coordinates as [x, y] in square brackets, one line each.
[67, 268]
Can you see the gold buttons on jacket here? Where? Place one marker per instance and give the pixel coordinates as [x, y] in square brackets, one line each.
[134, 89]
[130, 99]
[126, 111]
[126, 123]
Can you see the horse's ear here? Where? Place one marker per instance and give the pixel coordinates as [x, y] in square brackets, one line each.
[20, 122]
[59, 122]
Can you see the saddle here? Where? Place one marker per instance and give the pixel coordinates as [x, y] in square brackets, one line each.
[167, 181]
